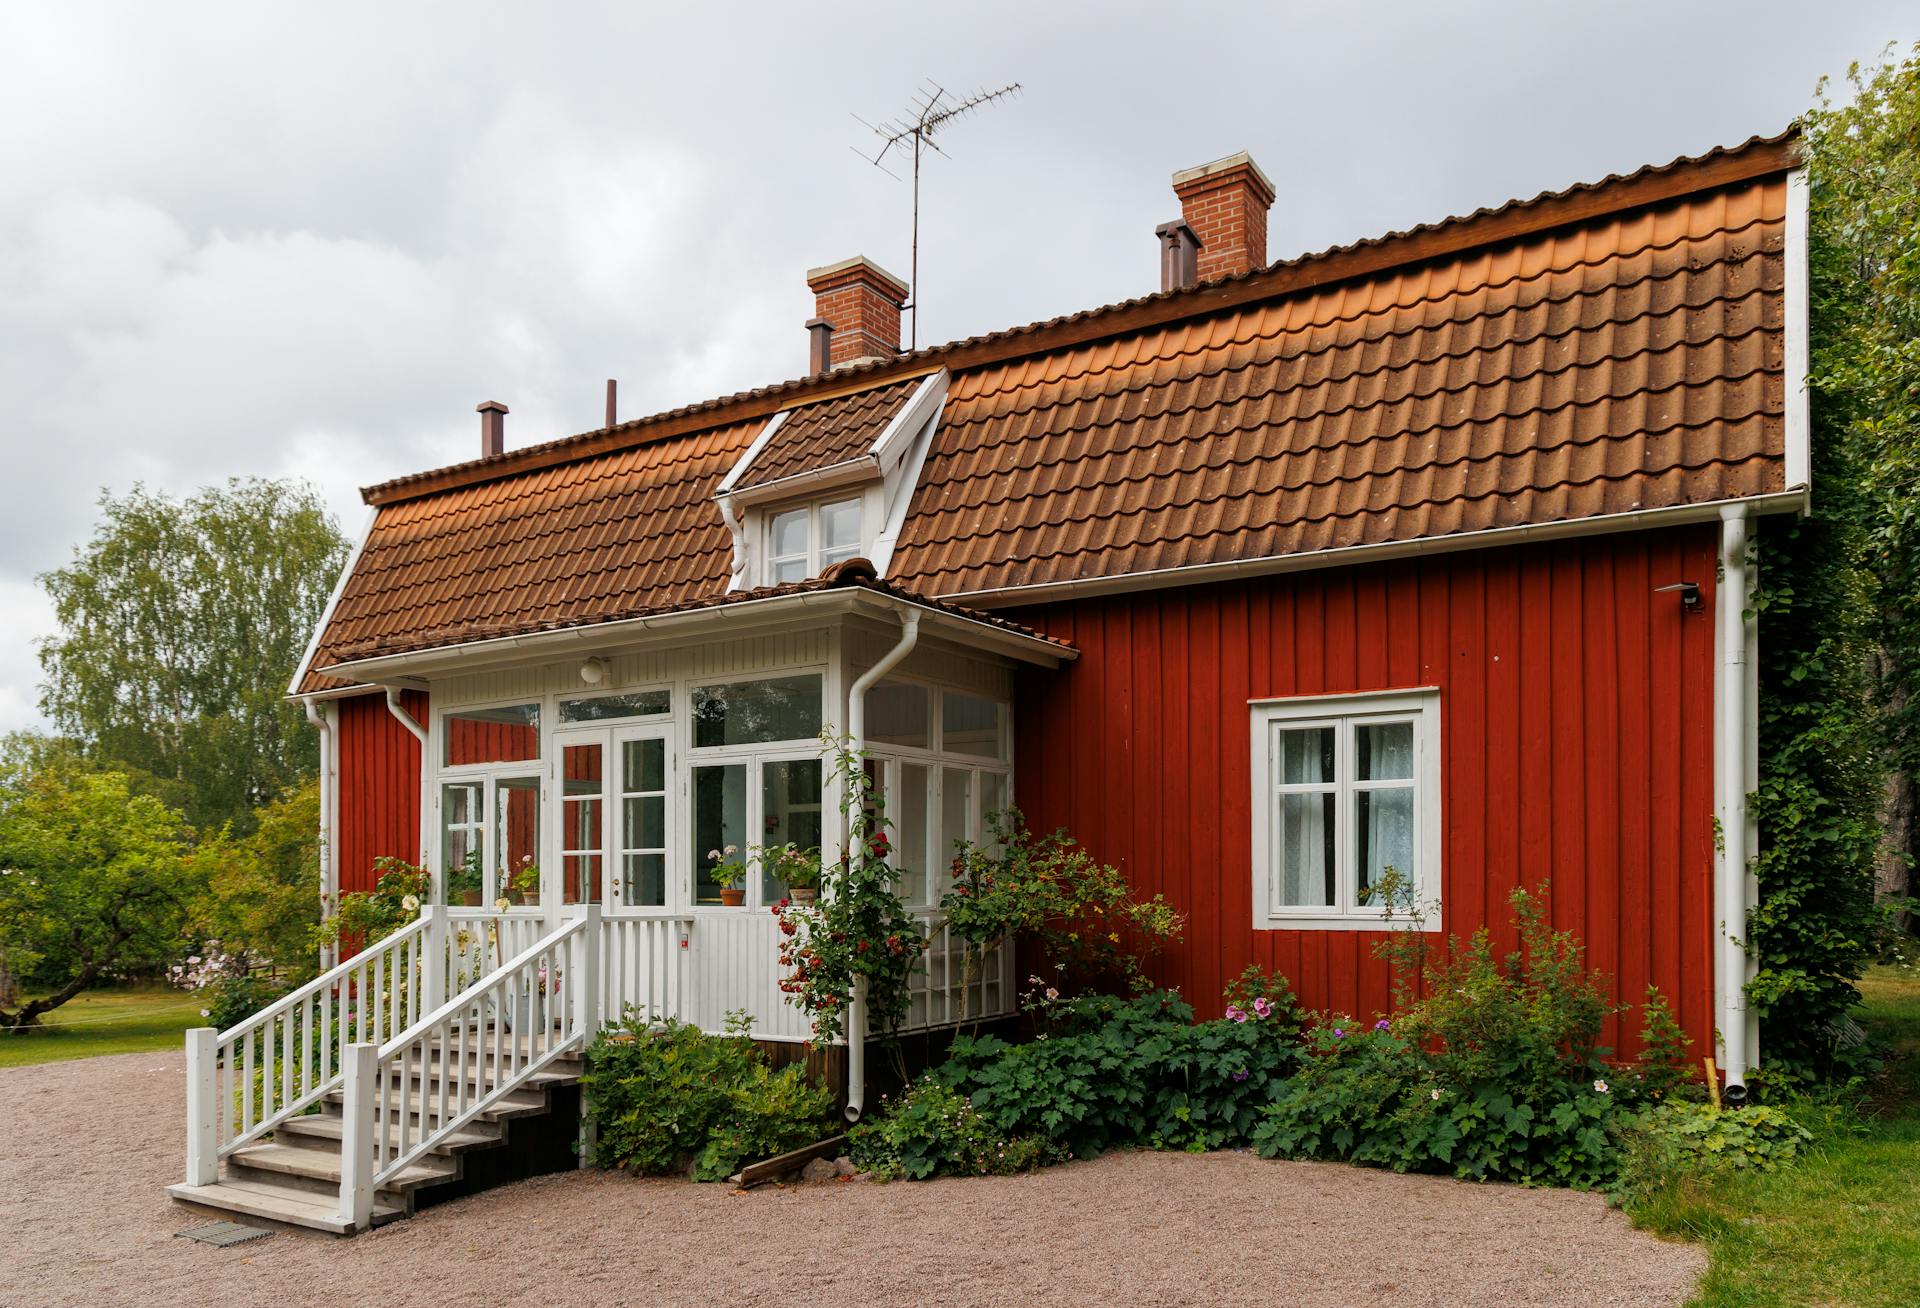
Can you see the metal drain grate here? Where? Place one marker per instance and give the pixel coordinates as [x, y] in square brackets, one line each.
[222, 1234]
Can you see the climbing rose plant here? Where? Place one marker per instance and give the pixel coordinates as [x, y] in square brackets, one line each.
[859, 928]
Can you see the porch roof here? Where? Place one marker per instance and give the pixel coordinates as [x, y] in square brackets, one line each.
[843, 589]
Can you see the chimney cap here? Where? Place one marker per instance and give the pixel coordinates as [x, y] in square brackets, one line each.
[491, 406]
[1187, 178]
[850, 270]
[818, 322]
[1179, 225]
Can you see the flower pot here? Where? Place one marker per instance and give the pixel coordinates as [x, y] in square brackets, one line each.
[525, 1012]
[470, 898]
[732, 896]
[804, 894]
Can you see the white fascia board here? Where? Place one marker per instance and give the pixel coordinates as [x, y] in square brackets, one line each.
[333, 600]
[846, 473]
[893, 444]
[907, 445]
[1796, 308]
[742, 539]
[1677, 515]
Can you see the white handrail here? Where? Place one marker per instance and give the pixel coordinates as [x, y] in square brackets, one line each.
[454, 1063]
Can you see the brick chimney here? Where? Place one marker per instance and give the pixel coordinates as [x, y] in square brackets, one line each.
[863, 301]
[1226, 203]
[493, 428]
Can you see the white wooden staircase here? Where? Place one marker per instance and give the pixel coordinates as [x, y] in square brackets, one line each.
[425, 1067]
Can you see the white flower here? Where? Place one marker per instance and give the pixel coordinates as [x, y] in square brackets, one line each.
[1433, 1094]
[411, 903]
[193, 959]
[502, 904]
[714, 853]
[206, 1012]
[1599, 1087]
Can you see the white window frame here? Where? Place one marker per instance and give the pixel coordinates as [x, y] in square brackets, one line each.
[815, 532]
[1421, 706]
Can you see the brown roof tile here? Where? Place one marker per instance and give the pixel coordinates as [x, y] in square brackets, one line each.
[829, 432]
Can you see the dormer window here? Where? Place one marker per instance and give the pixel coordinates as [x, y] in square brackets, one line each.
[804, 541]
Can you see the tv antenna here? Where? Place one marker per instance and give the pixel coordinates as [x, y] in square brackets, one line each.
[933, 107]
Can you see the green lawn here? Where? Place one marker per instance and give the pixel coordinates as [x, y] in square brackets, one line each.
[1841, 1227]
[105, 1022]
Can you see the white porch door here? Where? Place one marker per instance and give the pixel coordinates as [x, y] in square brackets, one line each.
[614, 820]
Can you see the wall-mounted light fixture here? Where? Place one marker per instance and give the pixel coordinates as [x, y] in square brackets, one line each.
[593, 671]
[1689, 595]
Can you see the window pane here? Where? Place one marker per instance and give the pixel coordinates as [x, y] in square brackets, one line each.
[752, 712]
[899, 714]
[719, 820]
[1306, 850]
[461, 823]
[993, 799]
[790, 812]
[1385, 822]
[640, 704]
[643, 822]
[840, 528]
[644, 765]
[956, 823]
[516, 805]
[582, 838]
[1306, 756]
[969, 725]
[644, 881]
[1383, 751]
[580, 879]
[779, 574]
[789, 533]
[908, 810]
[495, 735]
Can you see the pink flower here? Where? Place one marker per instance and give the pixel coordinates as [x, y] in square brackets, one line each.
[1381, 1025]
[1261, 1007]
[1234, 1012]
[1339, 1034]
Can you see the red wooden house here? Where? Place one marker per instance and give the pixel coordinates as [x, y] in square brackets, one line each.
[1428, 552]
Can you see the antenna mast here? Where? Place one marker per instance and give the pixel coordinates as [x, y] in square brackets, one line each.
[932, 109]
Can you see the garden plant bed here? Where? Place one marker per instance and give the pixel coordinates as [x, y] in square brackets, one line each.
[94, 1227]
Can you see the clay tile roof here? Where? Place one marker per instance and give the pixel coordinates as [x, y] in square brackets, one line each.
[829, 432]
[840, 576]
[1611, 347]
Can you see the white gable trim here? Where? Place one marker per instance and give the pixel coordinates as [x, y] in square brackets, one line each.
[901, 451]
[1795, 309]
[333, 601]
[742, 548]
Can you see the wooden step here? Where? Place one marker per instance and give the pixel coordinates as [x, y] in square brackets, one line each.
[515, 1103]
[324, 1165]
[324, 1133]
[285, 1204]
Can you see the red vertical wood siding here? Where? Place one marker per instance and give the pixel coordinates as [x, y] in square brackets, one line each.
[1576, 746]
[379, 787]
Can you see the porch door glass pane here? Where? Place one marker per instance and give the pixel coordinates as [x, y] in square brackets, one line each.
[719, 820]
[462, 824]
[516, 843]
[908, 810]
[956, 824]
[641, 881]
[582, 838]
[789, 812]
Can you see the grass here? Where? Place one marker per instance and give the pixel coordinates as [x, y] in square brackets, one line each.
[130, 1021]
[1842, 1226]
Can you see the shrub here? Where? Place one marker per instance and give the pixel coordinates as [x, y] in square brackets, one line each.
[934, 1130]
[661, 1097]
[1679, 1139]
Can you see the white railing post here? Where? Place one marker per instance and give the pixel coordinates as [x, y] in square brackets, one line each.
[586, 998]
[359, 1064]
[433, 970]
[203, 1111]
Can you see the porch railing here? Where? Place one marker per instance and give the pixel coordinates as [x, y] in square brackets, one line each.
[404, 1097]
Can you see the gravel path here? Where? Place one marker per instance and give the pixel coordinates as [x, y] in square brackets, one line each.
[89, 1145]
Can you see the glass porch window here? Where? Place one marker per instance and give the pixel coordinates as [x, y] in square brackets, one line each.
[757, 712]
[789, 813]
[582, 812]
[510, 734]
[603, 708]
[516, 842]
[719, 820]
[463, 826]
[642, 879]
[970, 725]
[908, 809]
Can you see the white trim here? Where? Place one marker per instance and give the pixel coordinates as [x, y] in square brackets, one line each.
[1793, 501]
[1795, 308]
[1735, 773]
[904, 481]
[1342, 712]
[420, 733]
[333, 600]
[742, 554]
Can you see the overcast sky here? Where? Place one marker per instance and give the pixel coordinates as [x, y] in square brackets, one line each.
[305, 240]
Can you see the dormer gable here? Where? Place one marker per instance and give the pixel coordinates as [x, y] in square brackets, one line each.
[829, 480]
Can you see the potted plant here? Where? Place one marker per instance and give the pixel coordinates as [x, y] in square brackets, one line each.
[523, 883]
[528, 1009]
[463, 880]
[729, 871]
[796, 868]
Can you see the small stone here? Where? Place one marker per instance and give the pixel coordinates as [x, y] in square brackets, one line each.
[820, 1169]
[843, 1166]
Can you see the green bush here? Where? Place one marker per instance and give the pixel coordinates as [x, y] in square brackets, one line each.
[232, 1000]
[661, 1098]
[1681, 1139]
[934, 1130]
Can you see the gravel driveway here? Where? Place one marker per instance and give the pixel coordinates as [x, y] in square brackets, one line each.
[89, 1144]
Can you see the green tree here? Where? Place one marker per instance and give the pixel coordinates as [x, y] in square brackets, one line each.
[181, 624]
[92, 882]
[262, 889]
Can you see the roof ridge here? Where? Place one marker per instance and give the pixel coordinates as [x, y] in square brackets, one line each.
[1770, 154]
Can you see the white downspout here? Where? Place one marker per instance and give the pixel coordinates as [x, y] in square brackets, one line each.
[856, 740]
[329, 868]
[420, 734]
[1735, 643]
